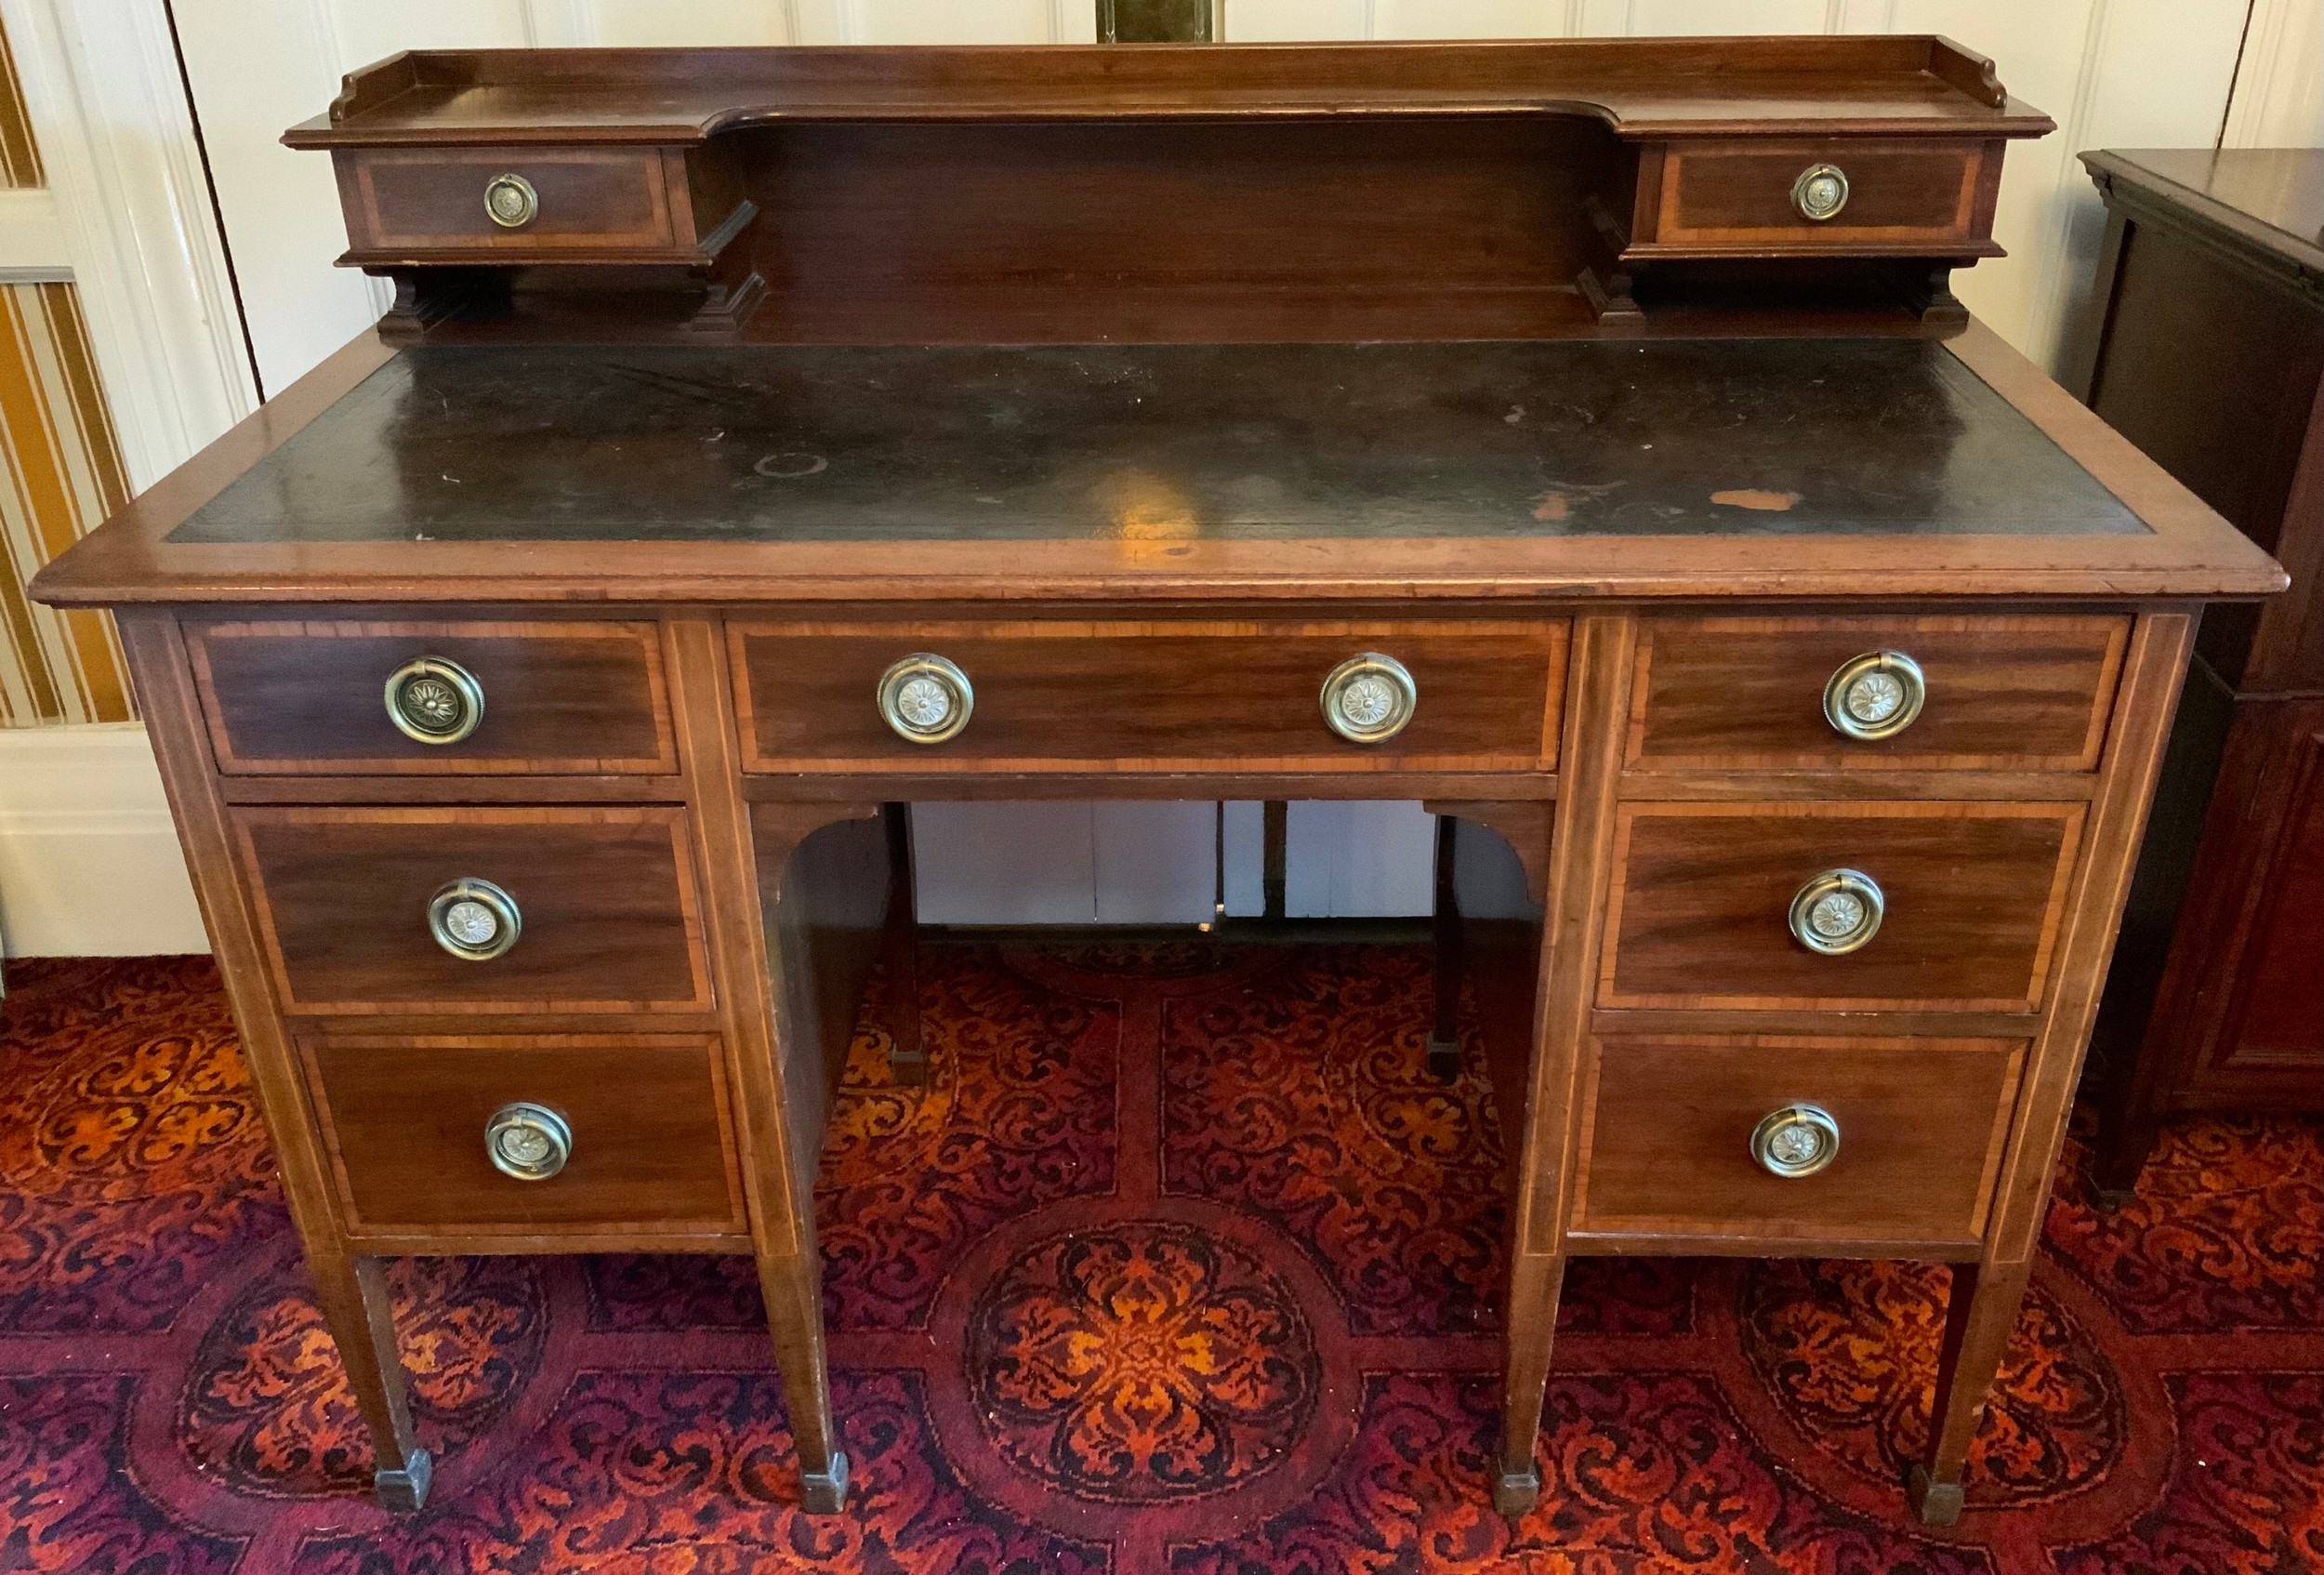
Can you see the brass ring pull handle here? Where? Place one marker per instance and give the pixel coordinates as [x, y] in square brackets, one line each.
[1368, 699]
[510, 201]
[926, 699]
[434, 701]
[1874, 697]
[1837, 912]
[474, 920]
[1798, 1140]
[529, 1141]
[1821, 192]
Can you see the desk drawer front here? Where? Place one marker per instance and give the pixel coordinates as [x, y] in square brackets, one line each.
[286, 697]
[605, 913]
[1921, 1125]
[419, 200]
[1898, 196]
[1101, 696]
[644, 1121]
[1969, 898]
[1996, 694]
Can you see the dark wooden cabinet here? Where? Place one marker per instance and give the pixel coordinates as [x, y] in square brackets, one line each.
[2204, 345]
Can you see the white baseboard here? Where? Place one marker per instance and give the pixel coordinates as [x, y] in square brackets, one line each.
[89, 863]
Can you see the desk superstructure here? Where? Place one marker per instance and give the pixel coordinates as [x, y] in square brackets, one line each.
[1579, 437]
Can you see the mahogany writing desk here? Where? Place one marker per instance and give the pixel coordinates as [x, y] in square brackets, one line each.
[1578, 437]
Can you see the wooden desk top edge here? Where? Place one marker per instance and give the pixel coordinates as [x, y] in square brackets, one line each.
[1901, 85]
[2191, 552]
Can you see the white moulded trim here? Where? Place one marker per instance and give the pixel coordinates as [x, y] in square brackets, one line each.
[31, 238]
[90, 864]
[101, 86]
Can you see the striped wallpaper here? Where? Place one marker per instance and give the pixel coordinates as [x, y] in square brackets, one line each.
[20, 155]
[64, 474]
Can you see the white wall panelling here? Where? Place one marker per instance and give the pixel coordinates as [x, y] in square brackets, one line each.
[1154, 863]
[89, 864]
[1010, 863]
[1245, 858]
[101, 86]
[2278, 97]
[33, 245]
[1358, 859]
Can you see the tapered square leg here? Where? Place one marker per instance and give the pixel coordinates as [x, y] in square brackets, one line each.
[825, 1493]
[793, 1289]
[1979, 1319]
[1534, 1282]
[2123, 1147]
[353, 1293]
[1516, 1493]
[404, 1492]
[1444, 1040]
[1938, 1503]
[907, 1052]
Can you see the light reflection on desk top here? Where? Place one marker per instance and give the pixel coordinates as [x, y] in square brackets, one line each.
[1163, 443]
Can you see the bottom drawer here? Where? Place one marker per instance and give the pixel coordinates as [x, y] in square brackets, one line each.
[1674, 1145]
[635, 1135]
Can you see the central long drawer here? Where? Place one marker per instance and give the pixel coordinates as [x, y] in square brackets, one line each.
[1120, 696]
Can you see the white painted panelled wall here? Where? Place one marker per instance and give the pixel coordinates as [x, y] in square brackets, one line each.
[2112, 73]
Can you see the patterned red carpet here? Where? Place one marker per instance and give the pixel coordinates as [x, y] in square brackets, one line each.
[1181, 1263]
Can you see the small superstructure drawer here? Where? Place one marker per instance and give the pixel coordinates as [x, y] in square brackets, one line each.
[1729, 196]
[515, 201]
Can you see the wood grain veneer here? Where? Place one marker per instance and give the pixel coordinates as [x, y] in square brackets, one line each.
[1147, 572]
[1666, 1133]
[1900, 83]
[1132, 697]
[305, 696]
[610, 916]
[1701, 895]
[403, 201]
[2021, 692]
[404, 1119]
[1906, 197]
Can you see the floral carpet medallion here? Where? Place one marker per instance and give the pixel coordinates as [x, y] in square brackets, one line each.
[1180, 1260]
[1140, 1362]
[1848, 1350]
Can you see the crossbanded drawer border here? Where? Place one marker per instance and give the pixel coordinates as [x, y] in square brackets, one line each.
[2074, 816]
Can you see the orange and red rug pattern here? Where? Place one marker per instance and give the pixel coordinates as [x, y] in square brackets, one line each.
[1180, 1262]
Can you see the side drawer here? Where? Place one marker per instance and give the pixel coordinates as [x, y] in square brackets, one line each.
[319, 696]
[417, 201]
[404, 1122]
[1969, 900]
[2029, 693]
[1194, 696]
[1899, 195]
[1669, 1150]
[607, 916]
